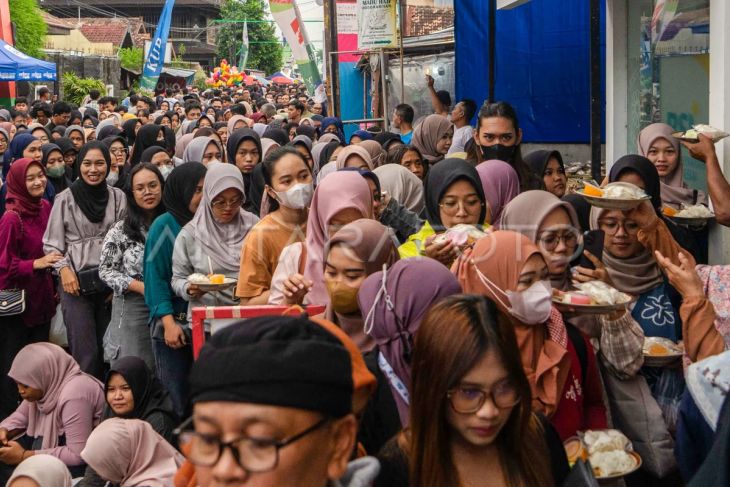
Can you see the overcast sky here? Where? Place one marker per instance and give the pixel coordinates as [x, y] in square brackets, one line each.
[311, 11]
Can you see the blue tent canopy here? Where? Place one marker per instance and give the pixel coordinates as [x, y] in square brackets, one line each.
[16, 66]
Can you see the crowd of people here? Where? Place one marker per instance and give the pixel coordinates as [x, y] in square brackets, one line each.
[437, 361]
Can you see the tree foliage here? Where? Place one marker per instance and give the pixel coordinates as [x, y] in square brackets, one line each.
[131, 58]
[265, 52]
[30, 28]
[75, 89]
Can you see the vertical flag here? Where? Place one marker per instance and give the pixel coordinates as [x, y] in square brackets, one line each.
[287, 16]
[156, 55]
[244, 49]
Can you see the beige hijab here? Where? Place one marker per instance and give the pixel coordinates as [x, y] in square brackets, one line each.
[428, 133]
[402, 185]
[129, 453]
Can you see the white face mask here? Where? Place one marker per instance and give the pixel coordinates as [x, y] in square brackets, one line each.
[297, 197]
[531, 306]
[112, 178]
[165, 171]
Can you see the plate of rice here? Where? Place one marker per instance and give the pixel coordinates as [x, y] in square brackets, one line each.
[211, 282]
[610, 453]
[661, 352]
[690, 215]
[614, 196]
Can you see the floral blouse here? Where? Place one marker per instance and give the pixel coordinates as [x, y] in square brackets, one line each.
[121, 259]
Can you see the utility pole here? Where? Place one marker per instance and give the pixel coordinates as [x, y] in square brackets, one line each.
[330, 45]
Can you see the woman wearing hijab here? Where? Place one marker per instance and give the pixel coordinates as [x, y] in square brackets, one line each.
[343, 198]
[168, 313]
[108, 130]
[120, 267]
[354, 156]
[639, 170]
[354, 252]
[509, 269]
[78, 223]
[4, 141]
[501, 184]
[453, 196]
[553, 227]
[129, 453]
[333, 125]
[303, 144]
[120, 167]
[656, 143]
[288, 189]
[39, 132]
[55, 167]
[130, 128]
[547, 166]
[236, 122]
[432, 137]
[76, 134]
[10, 129]
[133, 392]
[326, 155]
[359, 136]
[148, 136]
[211, 242]
[393, 303]
[23, 145]
[267, 145]
[203, 149]
[245, 151]
[23, 265]
[277, 134]
[377, 153]
[160, 158]
[61, 405]
[44, 470]
[402, 185]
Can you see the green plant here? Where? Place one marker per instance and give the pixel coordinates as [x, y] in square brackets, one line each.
[75, 89]
[199, 80]
[131, 58]
[265, 52]
[30, 29]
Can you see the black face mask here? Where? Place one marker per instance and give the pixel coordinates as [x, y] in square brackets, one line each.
[498, 151]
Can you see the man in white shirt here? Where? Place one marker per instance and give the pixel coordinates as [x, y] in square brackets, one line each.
[461, 117]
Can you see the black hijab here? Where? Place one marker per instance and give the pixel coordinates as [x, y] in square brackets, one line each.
[253, 200]
[128, 128]
[538, 160]
[109, 131]
[91, 200]
[582, 209]
[150, 396]
[387, 138]
[648, 173]
[443, 175]
[60, 183]
[307, 130]
[146, 137]
[149, 152]
[180, 188]
[276, 134]
[324, 156]
[255, 190]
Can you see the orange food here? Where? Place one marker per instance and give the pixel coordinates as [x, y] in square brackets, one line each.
[574, 450]
[669, 211]
[590, 190]
[217, 278]
[657, 349]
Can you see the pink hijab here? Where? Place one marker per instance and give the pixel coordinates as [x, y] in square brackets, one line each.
[182, 144]
[47, 367]
[674, 190]
[374, 244]
[501, 184]
[339, 191]
[128, 452]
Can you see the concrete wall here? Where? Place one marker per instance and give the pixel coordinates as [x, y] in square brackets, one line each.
[107, 69]
[75, 42]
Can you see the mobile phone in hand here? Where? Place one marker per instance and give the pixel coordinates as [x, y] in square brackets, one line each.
[593, 243]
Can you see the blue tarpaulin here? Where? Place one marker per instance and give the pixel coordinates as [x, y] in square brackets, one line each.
[16, 66]
[542, 64]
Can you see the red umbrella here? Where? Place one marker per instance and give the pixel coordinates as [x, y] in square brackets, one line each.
[282, 80]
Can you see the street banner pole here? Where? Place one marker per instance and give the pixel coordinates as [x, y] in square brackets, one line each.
[244, 49]
[156, 55]
[287, 16]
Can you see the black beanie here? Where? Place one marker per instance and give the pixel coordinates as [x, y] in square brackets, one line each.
[278, 361]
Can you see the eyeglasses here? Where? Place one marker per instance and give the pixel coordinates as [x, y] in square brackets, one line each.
[611, 226]
[467, 400]
[153, 187]
[219, 205]
[550, 240]
[471, 206]
[254, 455]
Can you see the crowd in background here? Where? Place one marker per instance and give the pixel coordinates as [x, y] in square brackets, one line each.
[435, 362]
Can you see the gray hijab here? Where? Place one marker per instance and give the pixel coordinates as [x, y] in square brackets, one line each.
[196, 148]
[221, 242]
[75, 128]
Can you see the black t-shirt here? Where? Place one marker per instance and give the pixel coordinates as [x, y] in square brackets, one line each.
[394, 461]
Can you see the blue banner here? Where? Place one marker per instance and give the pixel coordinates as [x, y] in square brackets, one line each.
[156, 55]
